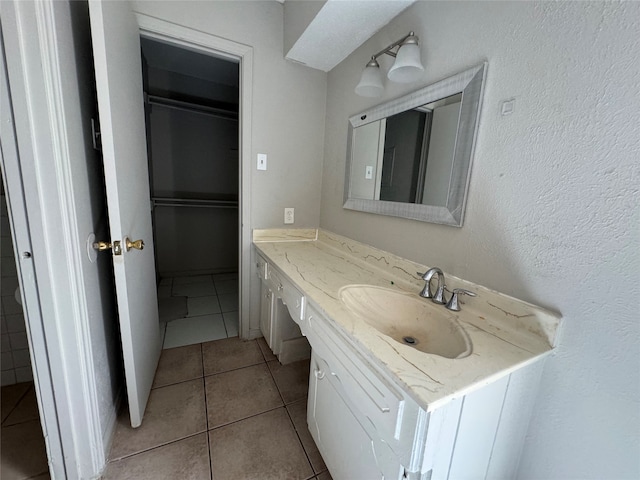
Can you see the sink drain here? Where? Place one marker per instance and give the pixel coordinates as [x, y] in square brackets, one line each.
[409, 340]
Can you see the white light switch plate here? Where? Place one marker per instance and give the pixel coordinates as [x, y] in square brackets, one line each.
[262, 161]
[368, 173]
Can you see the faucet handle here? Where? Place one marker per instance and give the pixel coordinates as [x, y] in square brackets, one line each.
[453, 303]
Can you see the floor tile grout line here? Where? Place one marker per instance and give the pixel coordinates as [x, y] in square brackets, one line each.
[264, 355]
[176, 383]
[300, 440]
[21, 422]
[204, 386]
[160, 445]
[16, 405]
[164, 334]
[219, 304]
[246, 418]
[274, 381]
[206, 412]
[194, 316]
[226, 331]
[234, 369]
[38, 474]
[209, 455]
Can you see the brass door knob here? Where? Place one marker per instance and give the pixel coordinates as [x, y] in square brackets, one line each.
[102, 246]
[137, 244]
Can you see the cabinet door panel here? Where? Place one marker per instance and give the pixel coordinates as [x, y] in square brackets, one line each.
[343, 443]
[375, 397]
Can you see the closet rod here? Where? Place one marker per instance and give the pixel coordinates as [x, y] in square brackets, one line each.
[190, 202]
[192, 107]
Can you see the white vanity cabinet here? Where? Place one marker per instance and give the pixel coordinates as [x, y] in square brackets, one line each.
[367, 427]
[343, 440]
[362, 423]
[281, 309]
[371, 419]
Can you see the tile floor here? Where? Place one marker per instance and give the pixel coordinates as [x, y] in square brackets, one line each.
[211, 308]
[224, 409]
[22, 447]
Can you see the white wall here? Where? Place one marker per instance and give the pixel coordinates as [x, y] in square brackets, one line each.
[288, 111]
[552, 215]
[288, 104]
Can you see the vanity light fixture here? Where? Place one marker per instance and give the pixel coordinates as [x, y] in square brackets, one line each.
[407, 67]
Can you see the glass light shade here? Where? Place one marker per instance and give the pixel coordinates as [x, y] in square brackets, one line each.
[408, 67]
[370, 83]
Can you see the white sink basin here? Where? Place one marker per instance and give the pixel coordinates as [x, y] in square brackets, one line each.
[408, 319]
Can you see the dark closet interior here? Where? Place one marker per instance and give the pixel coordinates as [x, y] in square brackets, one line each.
[191, 107]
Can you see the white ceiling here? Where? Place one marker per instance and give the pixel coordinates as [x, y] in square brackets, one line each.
[340, 27]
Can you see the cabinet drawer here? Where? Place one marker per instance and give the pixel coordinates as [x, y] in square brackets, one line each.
[290, 295]
[367, 392]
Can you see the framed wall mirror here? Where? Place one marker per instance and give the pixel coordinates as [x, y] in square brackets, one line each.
[411, 157]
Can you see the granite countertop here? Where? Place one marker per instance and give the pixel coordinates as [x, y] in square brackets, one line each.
[506, 333]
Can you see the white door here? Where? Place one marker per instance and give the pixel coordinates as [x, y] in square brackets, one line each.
[116, 50]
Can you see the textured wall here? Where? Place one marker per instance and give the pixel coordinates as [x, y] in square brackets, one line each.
[552, 215]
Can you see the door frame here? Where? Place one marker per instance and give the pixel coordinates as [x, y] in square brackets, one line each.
[52, 287]
[36, 165]
[185, 37]
[21, 236]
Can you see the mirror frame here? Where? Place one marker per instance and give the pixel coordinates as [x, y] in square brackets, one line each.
[471, 84]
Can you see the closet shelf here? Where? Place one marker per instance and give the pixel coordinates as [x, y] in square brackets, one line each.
[192, 107]
[193, 202]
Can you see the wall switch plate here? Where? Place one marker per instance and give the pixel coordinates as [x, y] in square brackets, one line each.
[288, 215]
[262, 161]
[368, 172]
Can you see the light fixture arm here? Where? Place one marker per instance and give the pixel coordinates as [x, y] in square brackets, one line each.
[407, 39]
[406, 68]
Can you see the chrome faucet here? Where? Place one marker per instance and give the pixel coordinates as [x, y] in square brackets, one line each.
[438, 296]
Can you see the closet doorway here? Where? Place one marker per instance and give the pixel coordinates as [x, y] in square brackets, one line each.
[191, 111]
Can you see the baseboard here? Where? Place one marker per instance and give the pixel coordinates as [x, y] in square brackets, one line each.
[254, 333]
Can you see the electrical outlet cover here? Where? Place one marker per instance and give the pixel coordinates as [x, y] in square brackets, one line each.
[288, 215]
